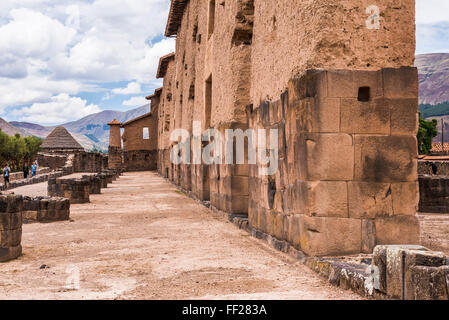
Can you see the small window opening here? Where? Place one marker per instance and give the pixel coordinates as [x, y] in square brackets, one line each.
[364, 94]
[146, 133]
[211, 17]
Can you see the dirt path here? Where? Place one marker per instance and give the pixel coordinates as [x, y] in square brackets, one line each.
[141, 239]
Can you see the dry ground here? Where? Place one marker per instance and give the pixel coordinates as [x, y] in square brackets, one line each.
[142, 239]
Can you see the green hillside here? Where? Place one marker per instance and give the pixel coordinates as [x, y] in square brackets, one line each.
[428, 110]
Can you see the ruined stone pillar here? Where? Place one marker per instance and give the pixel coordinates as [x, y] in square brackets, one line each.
[115, 145]
[11, 208]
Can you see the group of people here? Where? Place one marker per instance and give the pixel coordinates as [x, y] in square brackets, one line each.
[25, 169]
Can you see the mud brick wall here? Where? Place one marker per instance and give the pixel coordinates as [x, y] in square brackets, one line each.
[433, 167]
[411, 273]
[77, 190]
[46, 209]
[11, 207]
[288, 39]
[434, 194]
[88, 162]
[140, 160]
[347, 178]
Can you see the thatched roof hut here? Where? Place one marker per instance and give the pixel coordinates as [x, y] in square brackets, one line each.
[60, 140]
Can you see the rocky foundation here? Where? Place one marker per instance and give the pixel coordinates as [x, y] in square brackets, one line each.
[10, 227]
[45, 209]
[77, 190]
[434, 194]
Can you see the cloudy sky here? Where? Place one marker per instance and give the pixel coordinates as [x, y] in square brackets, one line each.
[61, 60]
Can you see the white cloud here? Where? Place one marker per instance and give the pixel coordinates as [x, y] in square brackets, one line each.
[61, 108]
[49, 48]
[132, 88]
[432, 11]
[135, 102]
[32, 34]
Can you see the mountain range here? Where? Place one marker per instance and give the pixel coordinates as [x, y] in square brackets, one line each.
[433, 78]
[91, 131]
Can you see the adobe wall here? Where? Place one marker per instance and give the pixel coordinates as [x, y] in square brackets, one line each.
[326, 34]
[140, 154]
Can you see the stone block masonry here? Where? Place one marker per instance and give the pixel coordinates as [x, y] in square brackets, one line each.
[77, 190]
[45, 209]
[11, 207]
[411, 273]
[347, 178]
[433, 194]
[95, 184]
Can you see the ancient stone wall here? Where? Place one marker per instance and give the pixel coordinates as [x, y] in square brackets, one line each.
[10, 227]
[37, 179]
[433, 167]
[77, 190]
[45, 209]
[328, 75]
[434, 194]
[89, 162]
[52, 161]
[94, 184]
[347, 177]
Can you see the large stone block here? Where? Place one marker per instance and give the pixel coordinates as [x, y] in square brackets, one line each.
[369, 200]
[400, 83]
[372, 117]
[428, 283]
[397, 230]
[395, 258]
[318, 115]
[405, 198]
[404, 116]
[330, 236]
[327, 199]
[329, 157]
[386, 158]
[11, 253]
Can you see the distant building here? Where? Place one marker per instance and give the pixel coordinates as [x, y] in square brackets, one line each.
[61, 141]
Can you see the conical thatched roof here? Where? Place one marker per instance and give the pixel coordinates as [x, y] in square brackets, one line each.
[60, 138]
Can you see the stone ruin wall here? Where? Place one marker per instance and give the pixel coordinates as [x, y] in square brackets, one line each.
[260, 56]
[11, 207]
[347, 177]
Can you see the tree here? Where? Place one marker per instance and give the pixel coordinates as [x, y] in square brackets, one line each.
[426, 132]
[16, 150]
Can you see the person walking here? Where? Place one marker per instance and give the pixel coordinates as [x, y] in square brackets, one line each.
[6, 175]
[26, 170]
[34, 169]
